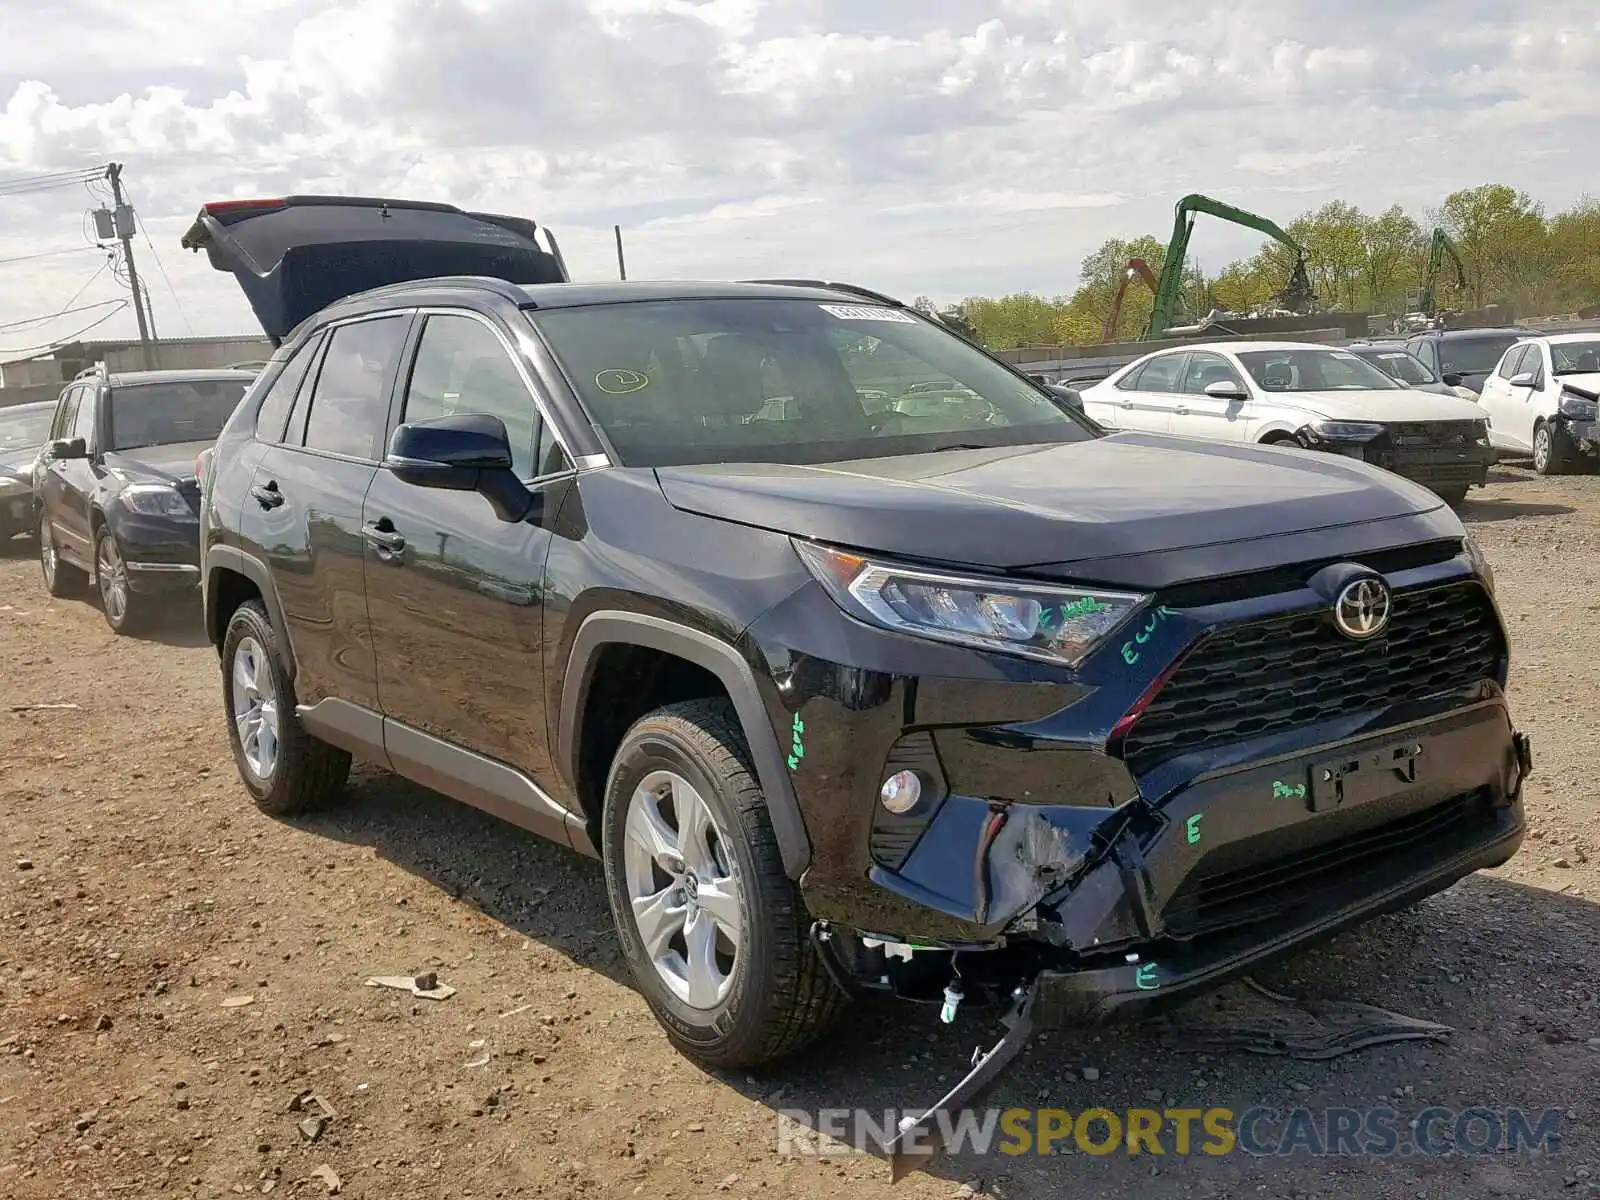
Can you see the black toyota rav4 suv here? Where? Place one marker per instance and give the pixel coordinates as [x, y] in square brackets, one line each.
[969, 702]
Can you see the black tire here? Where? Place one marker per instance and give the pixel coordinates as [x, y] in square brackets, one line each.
[124, 609]
[61, 579]
[1555, 456]
[1280, 439]
[781, 997]
[1452, 495]
[305, 774]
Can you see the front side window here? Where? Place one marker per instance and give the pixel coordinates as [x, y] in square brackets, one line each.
[26, 429]
[462, 367]
[788, 380]
[1206, 368]
[1313, 370]
[1473, 355]
[170, 412]
[1512, 362]
[1575, 358]
[350, 403]
[83, 420]
[66, 414]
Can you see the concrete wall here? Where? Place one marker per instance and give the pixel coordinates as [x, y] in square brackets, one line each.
[30, 394]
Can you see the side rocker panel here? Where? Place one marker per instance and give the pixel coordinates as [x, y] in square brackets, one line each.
[722, 660]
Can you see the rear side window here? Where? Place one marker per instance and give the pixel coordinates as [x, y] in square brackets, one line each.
[350, 404]
[1160, 374]
[273, 415]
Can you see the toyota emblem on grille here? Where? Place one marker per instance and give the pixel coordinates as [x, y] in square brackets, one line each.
[1362, 609]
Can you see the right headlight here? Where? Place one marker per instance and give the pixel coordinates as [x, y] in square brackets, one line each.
[1053, 623]
[1578, 408]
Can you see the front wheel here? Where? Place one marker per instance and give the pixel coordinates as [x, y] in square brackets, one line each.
[713, 929]
[1452, 495]
[1552, 450]
[125, 610]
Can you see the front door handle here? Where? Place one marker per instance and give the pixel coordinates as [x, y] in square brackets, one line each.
[267, 494]
[389, 543]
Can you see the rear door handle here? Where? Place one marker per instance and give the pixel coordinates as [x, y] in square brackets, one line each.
[381, 533]
[267, 494]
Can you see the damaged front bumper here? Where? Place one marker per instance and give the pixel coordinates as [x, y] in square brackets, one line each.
[1171, 899]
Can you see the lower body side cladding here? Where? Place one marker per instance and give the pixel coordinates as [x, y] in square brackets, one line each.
[1240, 781]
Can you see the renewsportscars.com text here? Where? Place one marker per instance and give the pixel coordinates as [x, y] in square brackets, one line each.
[1261, 1131]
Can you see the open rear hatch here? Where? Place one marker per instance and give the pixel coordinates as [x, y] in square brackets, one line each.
[295, 256]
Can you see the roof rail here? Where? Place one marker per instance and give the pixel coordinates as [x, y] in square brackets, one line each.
[509, 291]
[850, 289]
[98, 370]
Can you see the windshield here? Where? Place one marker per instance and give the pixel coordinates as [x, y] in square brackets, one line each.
[1400, 364]
[161, 414]
[26, 429]
[1473, 356]
[677, 382]
[1313, 371]
[1575, 358]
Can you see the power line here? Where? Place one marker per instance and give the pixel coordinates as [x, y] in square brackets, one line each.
[31, 184]
[68, 311]
[43, 254]
[15, 352]
[162, 268]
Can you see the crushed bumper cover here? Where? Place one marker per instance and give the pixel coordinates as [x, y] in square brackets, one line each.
[1251, 864]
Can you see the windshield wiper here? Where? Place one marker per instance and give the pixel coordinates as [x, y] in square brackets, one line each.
[960, 446]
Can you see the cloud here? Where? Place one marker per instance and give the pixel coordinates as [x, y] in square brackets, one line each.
[922, 146]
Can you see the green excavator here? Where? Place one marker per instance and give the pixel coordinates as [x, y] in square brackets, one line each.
[1439, 249]
[1295, 296]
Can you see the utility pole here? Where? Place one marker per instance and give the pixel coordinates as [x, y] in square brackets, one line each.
[122, 215]
[622, 266]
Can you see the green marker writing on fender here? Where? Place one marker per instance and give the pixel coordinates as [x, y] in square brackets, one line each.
[1192, 828]
[1145, 978]
[797, 751]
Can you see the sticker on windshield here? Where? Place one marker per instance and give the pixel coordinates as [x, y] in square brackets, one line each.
[619, 381]
[868, 312]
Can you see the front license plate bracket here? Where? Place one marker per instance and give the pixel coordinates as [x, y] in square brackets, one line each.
[1356, 778]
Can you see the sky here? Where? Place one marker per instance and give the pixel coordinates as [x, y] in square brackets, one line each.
[938, 147]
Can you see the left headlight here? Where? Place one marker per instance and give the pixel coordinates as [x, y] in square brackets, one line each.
[1056, 624]
[1578, 408]
[1344, 431]
[155, 500]
[1480, 564]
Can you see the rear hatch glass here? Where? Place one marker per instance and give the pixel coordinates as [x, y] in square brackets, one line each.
[295, 256]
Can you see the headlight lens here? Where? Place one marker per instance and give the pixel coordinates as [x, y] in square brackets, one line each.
[1055, 624]
[1344, 431]
[1480, 564]
[1578, 408]
[155, 500]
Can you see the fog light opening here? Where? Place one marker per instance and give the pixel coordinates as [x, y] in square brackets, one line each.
[901, 792]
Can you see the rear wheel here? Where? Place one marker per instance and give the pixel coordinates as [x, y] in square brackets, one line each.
[713, 929]
[60, 578]
[285, 769]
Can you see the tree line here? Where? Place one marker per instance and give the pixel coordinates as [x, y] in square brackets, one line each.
[1511, 251]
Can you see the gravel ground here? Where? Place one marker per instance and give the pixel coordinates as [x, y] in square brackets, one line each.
[177, 970]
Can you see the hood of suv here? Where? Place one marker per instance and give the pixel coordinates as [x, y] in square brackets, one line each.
[1020, 506]
[295, 256]
[170, 464]
[1385, 404]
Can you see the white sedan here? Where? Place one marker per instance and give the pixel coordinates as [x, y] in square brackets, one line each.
[1303, 394]
[1542, 401]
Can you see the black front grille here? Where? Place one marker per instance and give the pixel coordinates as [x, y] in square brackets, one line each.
[1278, 884]
[1262, 677]
[1432, 435]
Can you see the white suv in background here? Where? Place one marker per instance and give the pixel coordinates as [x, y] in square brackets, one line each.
[1313, 396]
[1542, 400]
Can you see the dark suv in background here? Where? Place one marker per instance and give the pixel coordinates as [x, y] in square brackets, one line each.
[973, 703]
[115, 487]
[1466, 355]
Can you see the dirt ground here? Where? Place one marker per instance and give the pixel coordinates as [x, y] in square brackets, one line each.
[177, 969]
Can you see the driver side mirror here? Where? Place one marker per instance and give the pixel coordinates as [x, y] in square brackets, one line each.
[1226, 389]
[463, 452]
[69, 448]
[1064, 395]
[1525, 379]
[1451, 379]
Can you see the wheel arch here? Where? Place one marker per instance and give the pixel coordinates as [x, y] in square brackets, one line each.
[722, 661]
[228, 562]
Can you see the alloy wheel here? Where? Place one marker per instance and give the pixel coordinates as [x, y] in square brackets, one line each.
[47, 553]
[255, 708]
[1541, 448]
[112, 574]
[683, 889]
